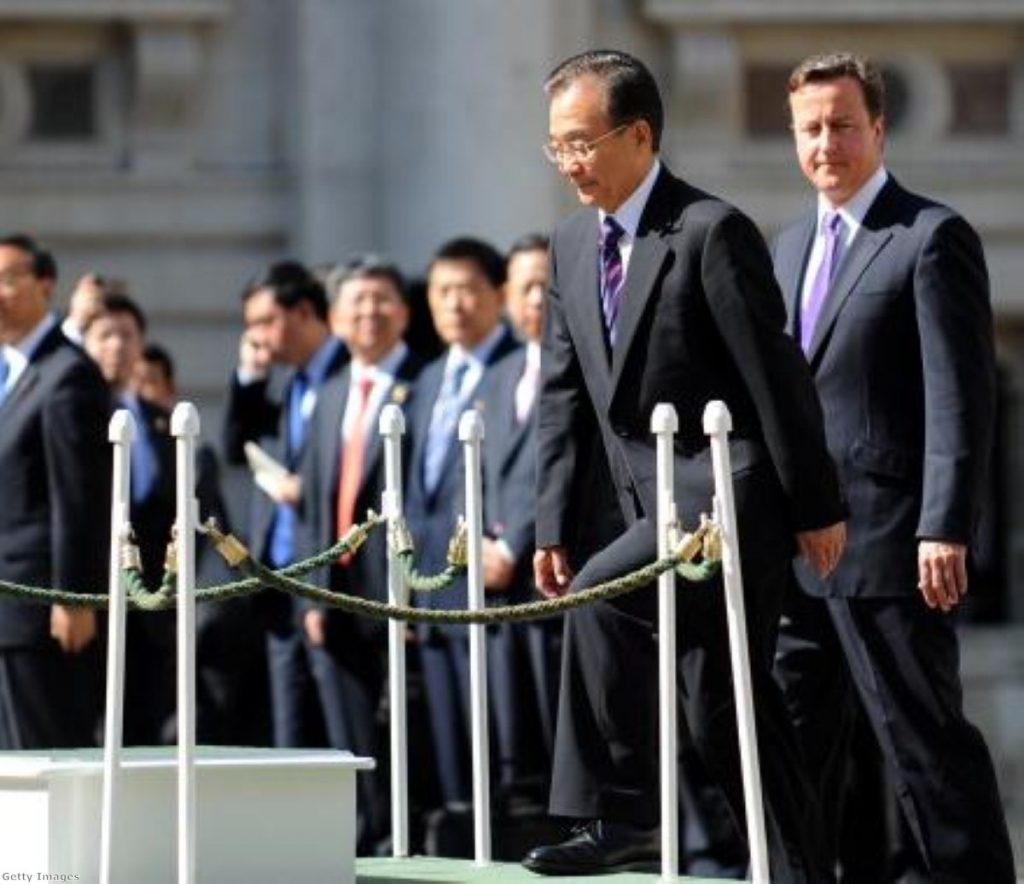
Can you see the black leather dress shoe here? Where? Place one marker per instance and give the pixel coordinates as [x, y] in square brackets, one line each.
[598, 847]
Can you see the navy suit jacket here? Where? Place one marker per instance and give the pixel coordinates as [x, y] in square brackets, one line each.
[55, 474]
[432, 516]
[366, 573]
[256, 412]
[510, 467]
[903, 358]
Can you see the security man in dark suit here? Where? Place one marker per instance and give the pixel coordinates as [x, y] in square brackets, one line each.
[114, 336]
[522, 657]
[888, 294]
[54, 524]
[663, 293]
[343, 474]
[285, 315]
[464, 288]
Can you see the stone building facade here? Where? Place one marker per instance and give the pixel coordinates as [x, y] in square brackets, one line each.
[184, 144]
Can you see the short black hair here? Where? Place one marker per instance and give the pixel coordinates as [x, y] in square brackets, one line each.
[365, 265]
[159, 355]
[529, 242]
[630, 88]
[467, 248]
[291, 283]
[43, 265]
[117, 302]
[834, 66]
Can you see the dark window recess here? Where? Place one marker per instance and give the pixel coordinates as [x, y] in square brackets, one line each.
[63, 101]
[981, 98]
[897, 98]
[766, 89]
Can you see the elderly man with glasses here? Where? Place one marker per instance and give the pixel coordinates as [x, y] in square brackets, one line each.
[663, 293]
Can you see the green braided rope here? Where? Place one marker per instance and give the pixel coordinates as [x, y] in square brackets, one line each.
[426, 582]
[499, 614]
[141, 599]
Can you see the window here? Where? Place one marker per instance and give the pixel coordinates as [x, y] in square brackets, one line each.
[765, 90]
[980, 94]
[62, 102]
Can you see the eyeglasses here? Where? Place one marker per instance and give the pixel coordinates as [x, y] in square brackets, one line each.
[579, 151]
[9, 279]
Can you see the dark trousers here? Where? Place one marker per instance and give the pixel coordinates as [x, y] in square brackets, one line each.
[288, 669]
[444, 657]
[900, 659]
[606, 752]
[47, 698]
[522, 680]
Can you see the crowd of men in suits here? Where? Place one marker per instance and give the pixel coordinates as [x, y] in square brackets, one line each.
[856, 358]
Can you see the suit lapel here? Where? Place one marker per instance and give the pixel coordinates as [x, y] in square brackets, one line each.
[649, 253]
[512, 430]
[583, 279]
[331, 419]
[374, 444]
[791, 273]
[28, 379]
[868, 243]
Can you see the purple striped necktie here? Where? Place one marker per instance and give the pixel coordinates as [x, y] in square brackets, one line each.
[832, 230]
[612, 274]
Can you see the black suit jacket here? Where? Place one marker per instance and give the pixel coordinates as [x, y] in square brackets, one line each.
[256, 413]
[432, 517]
[153, 517]
[903, 359]
[366, 573]
[701, 319]
[55, 475]
[510, 467]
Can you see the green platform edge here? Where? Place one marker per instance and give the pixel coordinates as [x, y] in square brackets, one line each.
[415, 869]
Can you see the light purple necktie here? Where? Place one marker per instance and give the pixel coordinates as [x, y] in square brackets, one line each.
[611, 274]
[832, 230]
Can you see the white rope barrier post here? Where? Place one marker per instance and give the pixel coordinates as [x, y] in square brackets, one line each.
[121, 434]
[392, 428]
[665, 424]
[185, 428]
[471, 434]
[718, 425]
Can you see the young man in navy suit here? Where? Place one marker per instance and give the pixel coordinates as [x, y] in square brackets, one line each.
[888, 294]
[55, 476]
[285, 315]
[465, 290]
[343, 477]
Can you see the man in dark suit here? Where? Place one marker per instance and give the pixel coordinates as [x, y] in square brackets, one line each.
[522, 658]
[343, 474]
[55, 475]
[114, 336]
[662, 293]
[285, 315]
[464, 287]
[888, 293]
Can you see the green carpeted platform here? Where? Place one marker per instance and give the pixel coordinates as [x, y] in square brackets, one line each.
[428, 869]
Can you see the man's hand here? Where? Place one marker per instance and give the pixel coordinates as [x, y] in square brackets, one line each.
[942, 573]
[551, 571]
[254, 357]
[822, 547]
[73, 628]
[314, 622]
[288, 489]
[499, 569]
